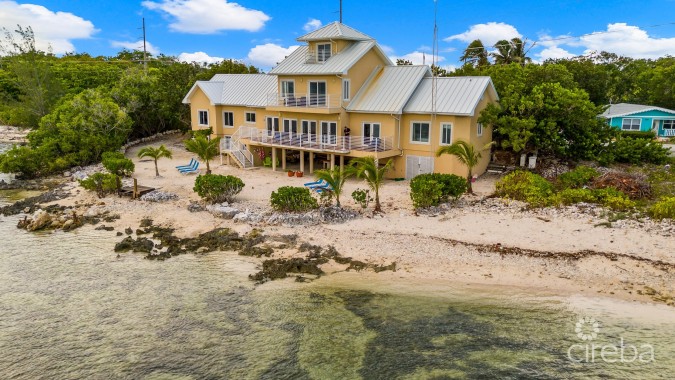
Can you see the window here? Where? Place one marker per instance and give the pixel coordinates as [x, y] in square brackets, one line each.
[328, 132]
[287, 88]
[371, 130]
[420, 133]
[228, 119]
[272, 125]
[345, 89]
[323, 52]
[309, 127]
[317, 93]
[446, 134]
[630, 125]
[479, 129]
[250, 117]
[291, 125]
[203, 117]
[669, 124]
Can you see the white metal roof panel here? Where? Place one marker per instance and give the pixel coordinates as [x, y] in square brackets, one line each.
[623, 109]
[335, 31]
[295, 64]
[389, 89]
[454, 95]
[248, 90]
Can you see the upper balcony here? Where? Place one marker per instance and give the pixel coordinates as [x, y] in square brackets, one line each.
[312, 103]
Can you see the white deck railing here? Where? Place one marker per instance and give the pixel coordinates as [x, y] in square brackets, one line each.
[669, 132]
[330, 143]
[303, 101]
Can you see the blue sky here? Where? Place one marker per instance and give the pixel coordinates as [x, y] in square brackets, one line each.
[263, 32]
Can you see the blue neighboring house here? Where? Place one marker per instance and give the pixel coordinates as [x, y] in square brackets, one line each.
[637, 117]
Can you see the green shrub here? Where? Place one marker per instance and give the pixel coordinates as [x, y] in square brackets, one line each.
[579, 177]
[362, 197]
[664, 208]
[101, 183]
[614, 199]
[635, 151]
[572, 196]
[432, 189]
[117, 164]
[218, 188]
[289, 198]
[647, 135]
[525, 186]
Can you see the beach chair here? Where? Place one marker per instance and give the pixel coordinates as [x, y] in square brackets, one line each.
[316, 184]
[193, 169]
[188, 166]
[321, 189]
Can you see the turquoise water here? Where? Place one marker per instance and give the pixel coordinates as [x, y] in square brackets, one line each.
[70, 308]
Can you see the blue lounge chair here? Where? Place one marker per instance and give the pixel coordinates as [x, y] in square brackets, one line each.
[194, 168]
[316, 184]
[188, 166]
[321, 189]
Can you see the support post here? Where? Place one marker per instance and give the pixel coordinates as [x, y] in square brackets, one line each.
[302, 161]
[274, 159]
[283, 159]
[342, 164]
[134, 195]
[332, 160]
[311, 162]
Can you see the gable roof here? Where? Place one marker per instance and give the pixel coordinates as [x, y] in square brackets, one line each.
[623, 109]
[296, 63]
[454, 95]
[335, 31]
[249, 90]
[388, 89]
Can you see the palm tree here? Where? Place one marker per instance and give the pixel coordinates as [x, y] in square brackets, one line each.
[205, 148]
[466, 154]
[475, 54]
[335, 178]
[512, 51]
[155, 154]
[367, 168]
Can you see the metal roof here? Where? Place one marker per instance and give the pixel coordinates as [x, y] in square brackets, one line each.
[248, 90]
[623, 109]
[296, 63]
[388, 89]
[454, 95]
[335, 31]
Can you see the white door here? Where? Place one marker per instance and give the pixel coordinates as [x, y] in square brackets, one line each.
[416, 165]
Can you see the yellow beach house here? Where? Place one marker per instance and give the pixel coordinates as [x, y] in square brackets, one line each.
[337, 97]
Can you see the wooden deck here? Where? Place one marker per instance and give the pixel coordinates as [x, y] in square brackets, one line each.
[128, 191]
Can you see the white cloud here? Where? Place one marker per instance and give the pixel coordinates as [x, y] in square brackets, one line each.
[209, 16]
[312, 24]
[626, 40]
[138, 45]
[199, 57]
[488, 33]
[418, 58]
[388, 50]
[268, 55]
[52, 29]
[554, 52]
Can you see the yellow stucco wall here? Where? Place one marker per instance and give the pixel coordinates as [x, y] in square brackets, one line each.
[198, 102]
[360, 72]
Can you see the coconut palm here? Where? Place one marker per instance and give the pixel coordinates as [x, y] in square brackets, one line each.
[466, 154]
[512, 51]
[205, 148]
[367, 168]
[475, 54]
[155, 154]
[335, 178]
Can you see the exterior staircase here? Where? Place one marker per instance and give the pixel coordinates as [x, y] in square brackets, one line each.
[232, 146]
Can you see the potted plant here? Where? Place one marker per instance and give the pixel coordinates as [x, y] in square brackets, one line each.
[298, 174]
[290, 173]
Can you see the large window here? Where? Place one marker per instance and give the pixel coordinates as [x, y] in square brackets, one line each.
[272, 125]
[287, 88]
[291, 125]
[446, 134]
[419, 133]
[317, 93]
[203, 117]
[345, 89]
[371, 130]
[250, 117]
[228, 119]
[630, 125]
[328, 132]
[309, 127]
[323, 52]
[479, 129]
[669, 124]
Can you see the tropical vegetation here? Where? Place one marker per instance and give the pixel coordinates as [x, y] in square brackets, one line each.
[466, 154]
[368, 169]
[155, 154]
[207, 149]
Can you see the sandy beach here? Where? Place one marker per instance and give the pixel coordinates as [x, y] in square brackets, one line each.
[493, 242]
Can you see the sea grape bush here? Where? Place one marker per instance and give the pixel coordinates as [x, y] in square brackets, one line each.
[216, 188]
[293, 199]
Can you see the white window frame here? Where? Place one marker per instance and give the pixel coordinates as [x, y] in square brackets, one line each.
[328, 124]
[669, 121]
[321, 99]
[267, 125]
[412, 130]
[249, 117]
[479, 129]
[225, 125]
[443, 126]
[288, 125]
[346, 88]
[324, 57]
[306, 127]
[631, 124]
[283, 90]
[199, 117]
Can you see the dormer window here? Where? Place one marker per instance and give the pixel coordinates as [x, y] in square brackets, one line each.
[323, 52]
